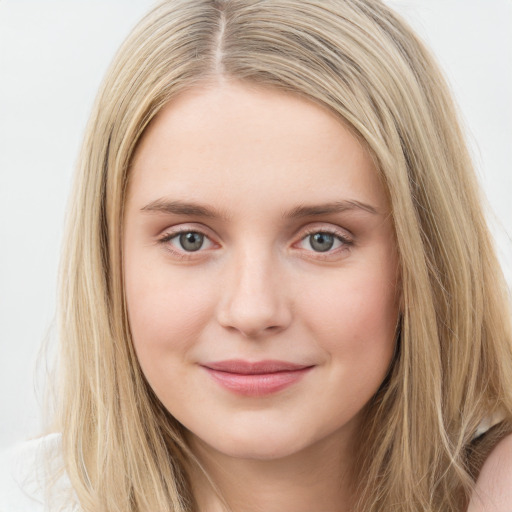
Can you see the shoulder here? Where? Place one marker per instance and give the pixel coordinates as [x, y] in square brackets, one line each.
[27, 470]
[493, 490]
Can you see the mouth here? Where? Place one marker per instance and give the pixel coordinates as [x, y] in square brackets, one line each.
[258, 378]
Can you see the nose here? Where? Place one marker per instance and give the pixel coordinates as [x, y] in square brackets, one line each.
[253, 300]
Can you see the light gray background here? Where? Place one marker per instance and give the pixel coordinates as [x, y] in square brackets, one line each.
[52, 57]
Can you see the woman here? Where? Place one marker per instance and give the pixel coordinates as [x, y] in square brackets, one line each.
[279, 291]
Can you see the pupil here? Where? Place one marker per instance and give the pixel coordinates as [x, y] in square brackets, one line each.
[191, 241]
[322, 242]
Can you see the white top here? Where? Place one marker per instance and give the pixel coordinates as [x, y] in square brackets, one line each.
[23, 473]
[23, 478]
[489, 422]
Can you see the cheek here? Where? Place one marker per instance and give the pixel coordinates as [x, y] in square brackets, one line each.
[355, 322]
[356, 328]
[167, 312]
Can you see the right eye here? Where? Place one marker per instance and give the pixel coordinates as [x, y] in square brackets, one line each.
[187, 241]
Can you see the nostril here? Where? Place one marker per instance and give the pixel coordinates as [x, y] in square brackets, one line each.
[252, 328]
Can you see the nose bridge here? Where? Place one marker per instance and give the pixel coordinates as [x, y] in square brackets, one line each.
[254, 301]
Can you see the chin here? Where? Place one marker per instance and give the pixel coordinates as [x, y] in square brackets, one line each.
[262, 444]
[260, 451]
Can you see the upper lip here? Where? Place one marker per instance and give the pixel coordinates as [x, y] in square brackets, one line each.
[254, 368]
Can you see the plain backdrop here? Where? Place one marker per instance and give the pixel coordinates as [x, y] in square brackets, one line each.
[53, 55]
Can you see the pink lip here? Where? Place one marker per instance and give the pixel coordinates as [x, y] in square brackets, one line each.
[255, 378]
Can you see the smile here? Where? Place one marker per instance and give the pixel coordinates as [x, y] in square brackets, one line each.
[255, 378]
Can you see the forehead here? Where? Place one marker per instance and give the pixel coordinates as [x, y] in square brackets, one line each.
[232, 142]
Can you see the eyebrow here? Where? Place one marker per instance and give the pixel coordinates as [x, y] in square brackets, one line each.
[183, 208]
[330, 208]
[163, 205]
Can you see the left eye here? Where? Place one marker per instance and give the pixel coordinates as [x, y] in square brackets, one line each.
[190, 241]
[321, 241]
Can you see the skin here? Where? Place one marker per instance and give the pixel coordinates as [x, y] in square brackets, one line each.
[258, 289]
[493, 490]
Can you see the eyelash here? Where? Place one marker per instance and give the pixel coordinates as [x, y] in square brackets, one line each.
[182, 255]
[346, 242]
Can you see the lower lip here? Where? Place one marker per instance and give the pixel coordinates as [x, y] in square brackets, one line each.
[260, 384]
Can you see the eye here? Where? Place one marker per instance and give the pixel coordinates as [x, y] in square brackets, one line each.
[324, 241]
[188, 241]
[321, 242]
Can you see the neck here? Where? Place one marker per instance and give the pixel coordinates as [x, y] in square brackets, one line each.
[316, 478]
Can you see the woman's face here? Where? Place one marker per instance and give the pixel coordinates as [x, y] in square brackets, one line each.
[260, 270]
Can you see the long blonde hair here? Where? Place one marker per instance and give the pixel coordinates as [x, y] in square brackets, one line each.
[123, 451]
